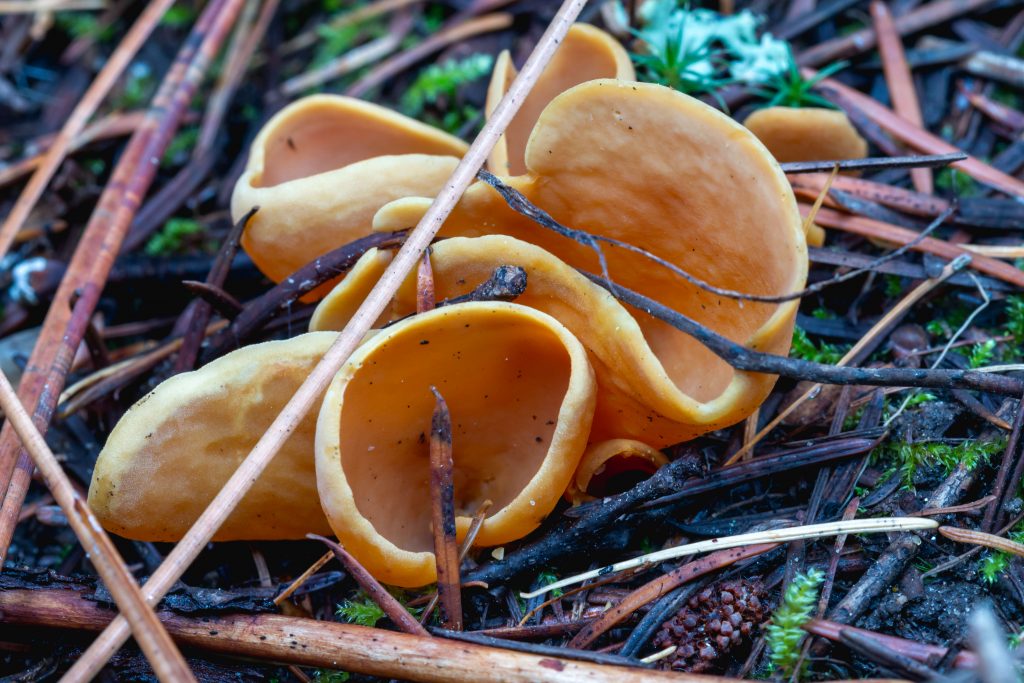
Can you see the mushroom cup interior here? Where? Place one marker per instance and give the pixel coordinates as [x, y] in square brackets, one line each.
[520, 394]
[325, 133]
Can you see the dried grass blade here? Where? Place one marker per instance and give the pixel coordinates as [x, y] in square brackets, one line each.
[796, 533]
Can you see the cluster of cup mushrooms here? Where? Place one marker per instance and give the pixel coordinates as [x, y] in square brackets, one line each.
[546, 392]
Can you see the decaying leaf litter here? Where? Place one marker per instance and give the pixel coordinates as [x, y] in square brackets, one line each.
[910, 321]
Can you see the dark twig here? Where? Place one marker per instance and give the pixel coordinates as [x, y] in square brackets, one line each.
[442, 490]
[225, 304]
[673, 483]
[398, 615]
[520, 204]
[884, 655]
[197, 314]
[1011, 462]
[294, 287]
[874, 163]
[742, 358]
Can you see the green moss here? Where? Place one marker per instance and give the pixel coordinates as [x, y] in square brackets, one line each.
[785, 634]
[806, 349]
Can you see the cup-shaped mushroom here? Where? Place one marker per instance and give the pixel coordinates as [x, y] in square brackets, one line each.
[611, 467]
[807, 134]
[174, 450]
[320, 169]
[586, 53]
[521, 396]
[661, 171]
[637, 397]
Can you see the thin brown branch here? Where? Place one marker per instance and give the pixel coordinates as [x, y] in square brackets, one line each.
[899, 80]
[927, 15]
[387, 602]
[330, 645]
[915, 136]
[981, 538]
[426, 300]
[83, 111]
[442, 492]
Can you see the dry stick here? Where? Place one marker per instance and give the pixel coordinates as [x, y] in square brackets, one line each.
[900, 82]
[442, 489]
[922, 652]
[150, 634]
[981, 538]
[387, 602]
[873, 163]
[332, 645]
[869, 227]
[485, 24]
[772, 536]
[353, 16]
[663, 584]
[312, 388]
[467, 543]
[426, 299]
[879, 329]
[79, 117]
[112, 126]
[915, 136]
[199, 312]
[928, 14]
[64, 328]
[303, 577]
[352, 60]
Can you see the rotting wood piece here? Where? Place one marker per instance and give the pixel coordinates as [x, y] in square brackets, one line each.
[307, 642]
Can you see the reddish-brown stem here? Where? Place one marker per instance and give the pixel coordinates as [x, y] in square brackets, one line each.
[442, 489]
[869, 227]
[396, 613]
[899, 80]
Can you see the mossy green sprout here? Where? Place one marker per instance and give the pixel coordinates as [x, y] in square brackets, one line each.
[904, 459]
[174, 236]
[785, 634]
[789, 88]
[442, 81]
[995, 562]
[361, 609]
[806, 349]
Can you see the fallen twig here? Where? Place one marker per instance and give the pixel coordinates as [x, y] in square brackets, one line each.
[874, 163]
[442, 489]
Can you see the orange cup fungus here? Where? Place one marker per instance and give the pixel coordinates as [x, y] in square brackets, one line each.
[612, 459]
[586, 53]
[529, 383]
[807, 134]
[639, 398]
[323, 166]
[521, 396]
[177, 446]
